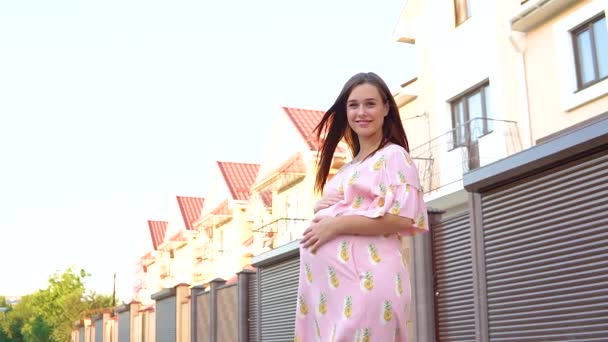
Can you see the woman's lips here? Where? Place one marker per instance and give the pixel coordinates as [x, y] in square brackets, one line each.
[363, 123]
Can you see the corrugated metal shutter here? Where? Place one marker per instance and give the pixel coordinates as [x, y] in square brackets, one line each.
[546, 250]
[81, 334]
[166, 309]
[278, 292]
[124, 326]
[253, 308]
[99, 330]
[453, 271]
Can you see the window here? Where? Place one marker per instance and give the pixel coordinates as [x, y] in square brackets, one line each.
[469, 116]
[572, 33]
[590, 43]
[462, 10]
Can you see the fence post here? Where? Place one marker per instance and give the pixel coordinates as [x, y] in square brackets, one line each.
[243, 304]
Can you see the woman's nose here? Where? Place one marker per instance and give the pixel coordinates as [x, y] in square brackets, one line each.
[360, 109]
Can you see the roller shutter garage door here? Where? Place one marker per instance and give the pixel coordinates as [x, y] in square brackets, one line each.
[253, 308]
[278, 292]
[99, 330]
[124, 326]
[546, 254]
[165, 319]
[453, 276]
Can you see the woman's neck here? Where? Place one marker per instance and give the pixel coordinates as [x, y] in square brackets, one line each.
[367, 147]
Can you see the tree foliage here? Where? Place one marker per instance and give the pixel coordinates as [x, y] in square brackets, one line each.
[49, 314]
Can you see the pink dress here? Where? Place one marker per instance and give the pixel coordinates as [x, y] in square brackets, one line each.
[357, 288]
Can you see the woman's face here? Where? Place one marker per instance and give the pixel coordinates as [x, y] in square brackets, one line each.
[365, 111]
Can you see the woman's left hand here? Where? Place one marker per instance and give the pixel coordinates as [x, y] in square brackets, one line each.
[320, 231]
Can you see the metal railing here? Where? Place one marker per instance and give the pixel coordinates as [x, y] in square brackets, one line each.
[279, 231]
[444, 159]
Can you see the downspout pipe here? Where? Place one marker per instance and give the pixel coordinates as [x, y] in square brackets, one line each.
[519, 42]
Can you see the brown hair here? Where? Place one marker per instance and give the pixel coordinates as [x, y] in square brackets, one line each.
[334, 127]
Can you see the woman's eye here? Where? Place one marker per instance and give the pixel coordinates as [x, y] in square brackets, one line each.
[353, 105]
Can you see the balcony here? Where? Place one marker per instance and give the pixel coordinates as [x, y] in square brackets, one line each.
[444, 160]
[198, 254]
[165, 271]
[277, 233]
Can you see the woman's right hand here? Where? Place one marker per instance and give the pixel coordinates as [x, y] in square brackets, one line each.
[327, 201]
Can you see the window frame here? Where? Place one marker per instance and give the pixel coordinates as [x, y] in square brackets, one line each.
[466, 5]
[586, 26]
[480, 89]
[570, 97]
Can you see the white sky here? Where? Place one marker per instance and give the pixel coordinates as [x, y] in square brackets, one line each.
[109, 109]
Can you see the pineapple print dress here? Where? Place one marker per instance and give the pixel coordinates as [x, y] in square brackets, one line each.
[357, 288]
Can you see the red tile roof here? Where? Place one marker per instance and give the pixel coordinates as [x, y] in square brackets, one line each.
[305, 121]
[179, 236]
[157, 232]
[294, 164]
[147, 256]
[239, 177]
[221, 209]
[232, 280]
[191, 208]
[266, 198]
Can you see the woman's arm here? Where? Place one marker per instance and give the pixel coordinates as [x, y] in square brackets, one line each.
[362, 225]
[323, 229]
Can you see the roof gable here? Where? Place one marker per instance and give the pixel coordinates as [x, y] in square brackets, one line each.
[191, 208]
[157, 232]
[305, 121]
[239, 178]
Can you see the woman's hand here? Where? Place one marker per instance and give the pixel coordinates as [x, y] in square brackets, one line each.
[320, 231]
[328, 200]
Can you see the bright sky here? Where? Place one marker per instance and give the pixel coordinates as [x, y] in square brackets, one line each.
[109, 109]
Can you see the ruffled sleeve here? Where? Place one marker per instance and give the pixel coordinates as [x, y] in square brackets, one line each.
[397, 190]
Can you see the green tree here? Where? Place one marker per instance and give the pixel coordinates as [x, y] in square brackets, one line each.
[48, 314]
[94, 301]
[3, 314]
[14, 320]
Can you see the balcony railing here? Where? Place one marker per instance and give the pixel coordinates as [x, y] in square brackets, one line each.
[279, 232]
[443, 160]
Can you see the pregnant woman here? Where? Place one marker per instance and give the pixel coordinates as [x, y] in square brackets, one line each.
[354, 284]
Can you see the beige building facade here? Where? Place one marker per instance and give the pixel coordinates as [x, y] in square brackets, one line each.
[493, 78]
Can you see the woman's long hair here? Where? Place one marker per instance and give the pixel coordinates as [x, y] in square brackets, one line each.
[334, 127]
